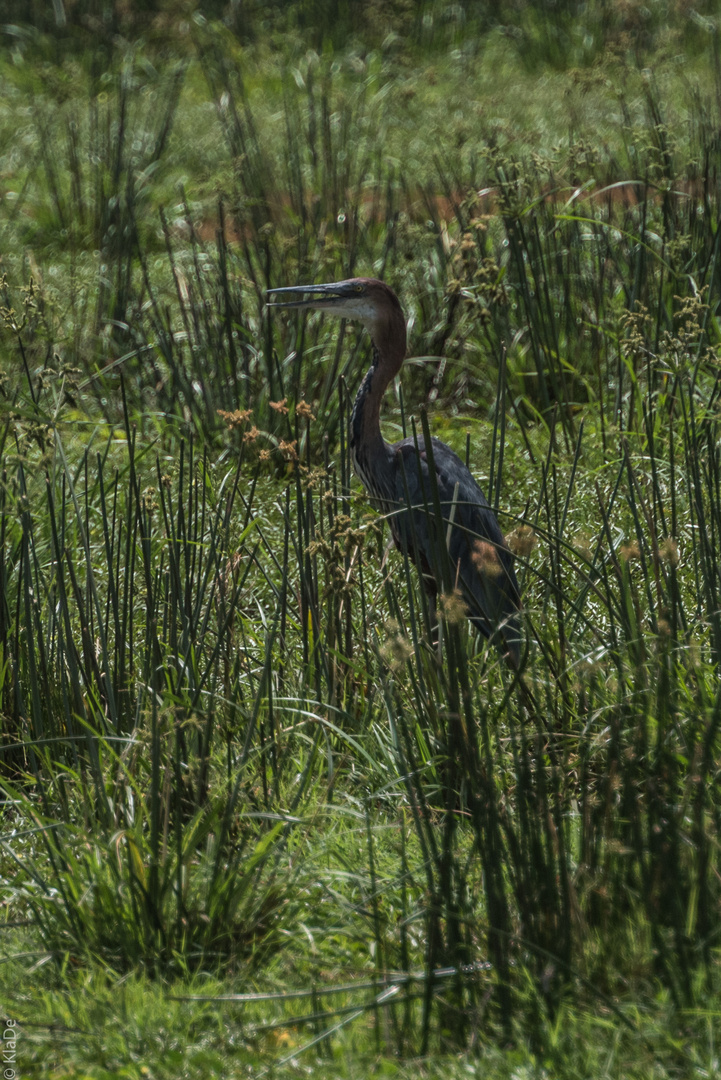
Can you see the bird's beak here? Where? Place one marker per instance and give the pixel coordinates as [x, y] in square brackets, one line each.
[320, 297]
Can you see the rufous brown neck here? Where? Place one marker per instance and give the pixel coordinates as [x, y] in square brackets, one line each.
[388, 334]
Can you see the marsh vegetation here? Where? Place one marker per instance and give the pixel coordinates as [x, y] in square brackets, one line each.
[231, 762]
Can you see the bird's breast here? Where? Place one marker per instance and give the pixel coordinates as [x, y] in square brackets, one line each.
[374, 481]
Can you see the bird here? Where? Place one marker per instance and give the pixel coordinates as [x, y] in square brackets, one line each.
[397, 476]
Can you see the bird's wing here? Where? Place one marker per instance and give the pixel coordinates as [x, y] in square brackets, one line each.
[481, 563]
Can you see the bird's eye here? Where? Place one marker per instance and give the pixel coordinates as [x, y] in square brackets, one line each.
[359, 288]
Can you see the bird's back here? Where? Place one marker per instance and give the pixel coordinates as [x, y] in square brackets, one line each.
[481, 565]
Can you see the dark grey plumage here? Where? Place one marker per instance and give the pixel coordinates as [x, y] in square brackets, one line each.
[480, 563]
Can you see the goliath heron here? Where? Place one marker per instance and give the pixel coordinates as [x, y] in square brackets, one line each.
[396, 476]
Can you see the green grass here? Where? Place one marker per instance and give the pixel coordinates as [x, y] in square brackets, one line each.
[83, 1025]
[231, 760]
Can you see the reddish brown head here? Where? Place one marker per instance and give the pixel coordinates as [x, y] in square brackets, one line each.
[366, 300]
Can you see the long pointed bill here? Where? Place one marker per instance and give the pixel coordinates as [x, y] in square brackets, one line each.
[319, 297]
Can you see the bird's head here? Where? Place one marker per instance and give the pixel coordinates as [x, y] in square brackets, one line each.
[366, 300]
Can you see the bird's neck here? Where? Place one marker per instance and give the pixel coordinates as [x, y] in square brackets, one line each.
[365, 424]
[365, 432]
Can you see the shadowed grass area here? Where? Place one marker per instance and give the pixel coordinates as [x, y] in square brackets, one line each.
[231, 755]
